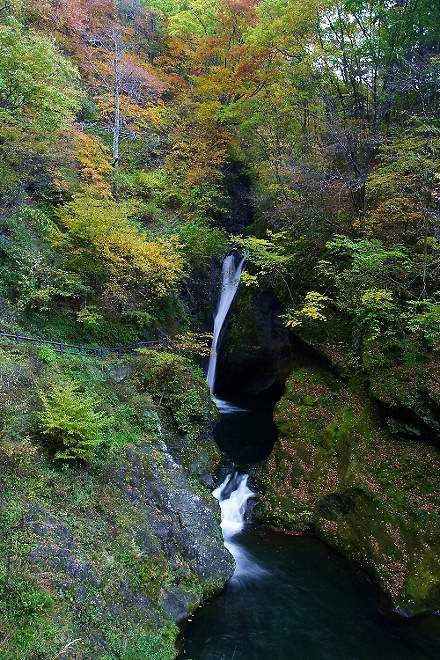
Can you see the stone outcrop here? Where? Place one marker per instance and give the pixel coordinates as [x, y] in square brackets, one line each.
[102, 560]
[256, 354]
[337, 471]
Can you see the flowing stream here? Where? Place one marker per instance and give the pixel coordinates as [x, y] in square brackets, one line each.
[233, 496]
[291, 597]
[234, 493]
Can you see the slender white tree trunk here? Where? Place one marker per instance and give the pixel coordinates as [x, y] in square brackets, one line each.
[116, 102]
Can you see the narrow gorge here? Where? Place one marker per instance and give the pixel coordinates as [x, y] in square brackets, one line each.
[219, 329]
[295, 584]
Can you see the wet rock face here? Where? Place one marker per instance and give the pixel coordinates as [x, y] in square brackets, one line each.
[410, 399]
[183, 522]
[408, 394]
[240, 200]
[199, 295]
[336, 470]
[176, 536]
[256, 353]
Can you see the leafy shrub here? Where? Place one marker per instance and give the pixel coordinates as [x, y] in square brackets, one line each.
[46, 354]
[71, 422]
[201, 243]
[425, 320]
[312, 310]
[31, 274]
[177, 385]
[103, 240]
[89, 317]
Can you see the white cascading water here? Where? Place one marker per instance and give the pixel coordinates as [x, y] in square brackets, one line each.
[233, 496]
[231, 273]
[234, 493]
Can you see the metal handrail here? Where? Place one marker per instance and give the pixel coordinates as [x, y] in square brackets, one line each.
[98, 351]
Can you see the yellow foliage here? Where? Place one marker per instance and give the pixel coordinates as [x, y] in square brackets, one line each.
[377, 298]
[249, 280]
[102, 239]
[95, 161]
[314, 305]
[195, 343]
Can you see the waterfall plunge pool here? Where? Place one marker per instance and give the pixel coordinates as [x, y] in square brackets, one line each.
[293, 598]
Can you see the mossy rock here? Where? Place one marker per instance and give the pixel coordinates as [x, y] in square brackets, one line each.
[101, 559]
[336, 470]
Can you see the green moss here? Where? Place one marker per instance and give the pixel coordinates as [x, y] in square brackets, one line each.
[154, 645]
[100, 569]
[175, 383]
[336, 469]
[149, 574]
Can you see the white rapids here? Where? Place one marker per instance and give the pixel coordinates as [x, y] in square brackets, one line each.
[233, 496]
[234, 493]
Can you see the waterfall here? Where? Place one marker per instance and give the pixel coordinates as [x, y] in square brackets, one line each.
[231, 274]
[233, 496]
[234, 493]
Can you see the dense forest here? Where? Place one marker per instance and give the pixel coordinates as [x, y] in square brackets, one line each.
[141, 141]
[123, 123]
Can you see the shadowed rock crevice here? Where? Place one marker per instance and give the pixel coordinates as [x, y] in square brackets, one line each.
[256, 353]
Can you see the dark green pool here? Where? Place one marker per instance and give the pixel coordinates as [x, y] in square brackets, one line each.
[310, 605]
[305, 602]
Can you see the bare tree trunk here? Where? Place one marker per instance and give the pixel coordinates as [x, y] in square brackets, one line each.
[117, 81]
[116, 103]
[425, 257]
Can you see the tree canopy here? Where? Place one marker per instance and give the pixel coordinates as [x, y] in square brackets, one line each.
[124, 124]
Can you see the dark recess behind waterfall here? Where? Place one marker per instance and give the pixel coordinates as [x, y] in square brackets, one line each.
[200, 292]
[259, 363]
[252, 368]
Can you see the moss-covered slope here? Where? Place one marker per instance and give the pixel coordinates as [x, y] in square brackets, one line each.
[372, 495]
[100, 560]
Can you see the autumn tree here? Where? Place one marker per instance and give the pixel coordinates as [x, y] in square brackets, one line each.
[108, 44]
[404, 191]
[115, 255]
[125, 84]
